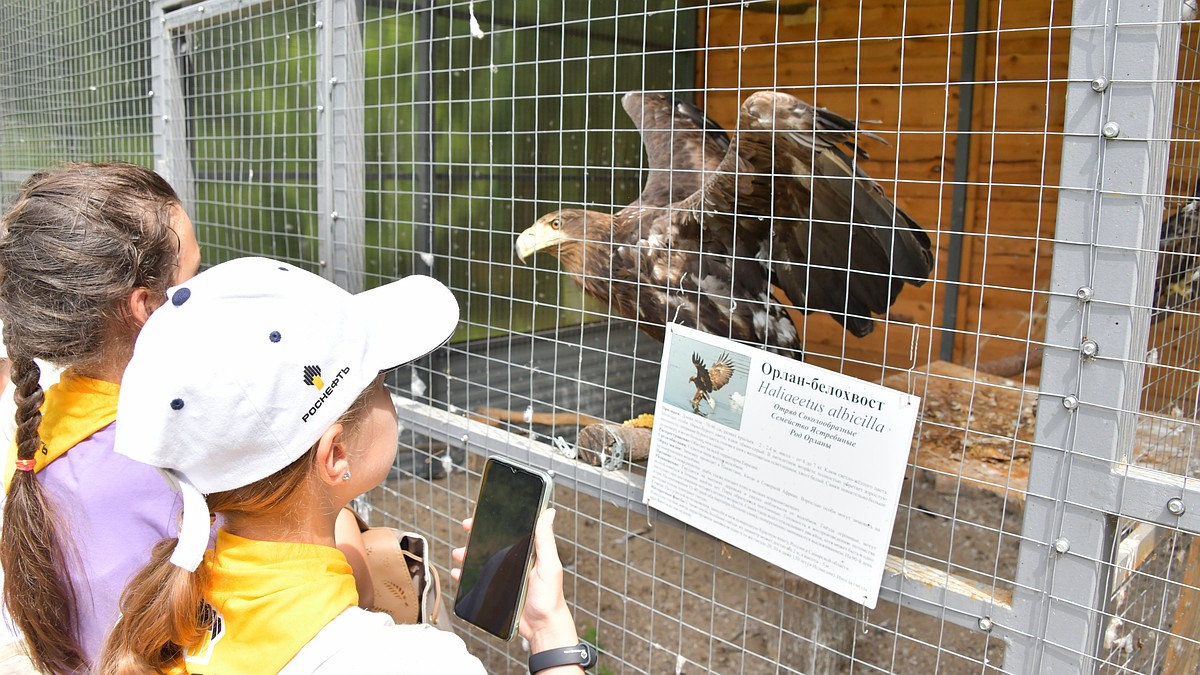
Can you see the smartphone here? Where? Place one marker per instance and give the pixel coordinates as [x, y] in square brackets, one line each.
[491, 589]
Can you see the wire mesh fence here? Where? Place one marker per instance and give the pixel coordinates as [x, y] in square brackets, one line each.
[1047, 150]
[75, 82]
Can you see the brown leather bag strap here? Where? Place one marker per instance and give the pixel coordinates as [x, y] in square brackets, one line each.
[425, 576]
[405, 585]
[396, 591]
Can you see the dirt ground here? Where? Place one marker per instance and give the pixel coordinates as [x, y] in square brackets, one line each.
[662, 598]
[658, 598]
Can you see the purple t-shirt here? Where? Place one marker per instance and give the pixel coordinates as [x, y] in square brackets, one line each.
[115, 510]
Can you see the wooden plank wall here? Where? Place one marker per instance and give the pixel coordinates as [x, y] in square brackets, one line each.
[898, 65]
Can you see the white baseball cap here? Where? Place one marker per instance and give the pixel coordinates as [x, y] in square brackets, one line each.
[249, 362]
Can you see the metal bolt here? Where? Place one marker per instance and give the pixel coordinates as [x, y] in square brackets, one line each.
[166, 118]
[333, 81]
[1111, 130]
[321, 263]
[334, 216]
[1089, 348]
[200, 9]
[319, 25]
[1084, 293]
[1062, 545]
[465, 438]
[150, 93]
[1100, 84]
[1070, 401]
[320, 108]
[985, 624]
[1176, 506]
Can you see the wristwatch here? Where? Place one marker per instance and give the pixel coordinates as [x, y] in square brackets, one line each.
[582, 655]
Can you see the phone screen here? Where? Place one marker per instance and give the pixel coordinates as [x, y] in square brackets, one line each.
[491, 589]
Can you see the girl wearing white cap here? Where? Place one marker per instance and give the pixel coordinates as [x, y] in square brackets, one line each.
[87, 252]
[256, 392]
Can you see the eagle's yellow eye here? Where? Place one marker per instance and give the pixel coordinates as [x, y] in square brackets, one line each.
[556, 223]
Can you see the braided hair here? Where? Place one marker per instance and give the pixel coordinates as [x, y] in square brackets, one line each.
[75, 244]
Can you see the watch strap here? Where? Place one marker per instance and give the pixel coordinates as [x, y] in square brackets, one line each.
[582, 655]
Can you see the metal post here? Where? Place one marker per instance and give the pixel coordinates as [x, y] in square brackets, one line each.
[686, 23]
[962, 168]
[1114, 162]
[171, 157]
[423, 138]
[341, 177]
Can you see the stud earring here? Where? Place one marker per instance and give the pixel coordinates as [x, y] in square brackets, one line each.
[346, 476]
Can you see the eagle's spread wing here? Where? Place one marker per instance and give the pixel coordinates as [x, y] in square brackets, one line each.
[1178, 278]
[788, 194]
[721, 372]
[680, 143]
[702, 380]
[785, 206]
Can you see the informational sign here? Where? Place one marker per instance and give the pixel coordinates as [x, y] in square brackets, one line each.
[795, 464]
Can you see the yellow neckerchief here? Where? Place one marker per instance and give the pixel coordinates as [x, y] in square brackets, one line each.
[75, 408]
[269, 599]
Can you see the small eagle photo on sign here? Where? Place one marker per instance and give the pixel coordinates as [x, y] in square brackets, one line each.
[707, 381]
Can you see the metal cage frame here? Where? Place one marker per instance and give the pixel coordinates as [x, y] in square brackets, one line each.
[1090, 510]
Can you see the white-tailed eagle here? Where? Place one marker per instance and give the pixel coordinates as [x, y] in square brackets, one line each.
[708, 380]
[721, 221]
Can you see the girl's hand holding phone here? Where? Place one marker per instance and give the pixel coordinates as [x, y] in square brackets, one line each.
[546, 621]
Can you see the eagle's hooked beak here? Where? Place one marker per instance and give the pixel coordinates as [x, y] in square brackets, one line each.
[537, 237]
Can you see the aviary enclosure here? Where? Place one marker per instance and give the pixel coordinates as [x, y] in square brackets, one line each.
[1046, 149]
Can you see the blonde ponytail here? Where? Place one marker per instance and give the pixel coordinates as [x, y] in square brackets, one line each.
[161, 612]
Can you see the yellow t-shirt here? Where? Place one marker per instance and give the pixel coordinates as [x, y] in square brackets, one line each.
[75, 408]
[268, 600]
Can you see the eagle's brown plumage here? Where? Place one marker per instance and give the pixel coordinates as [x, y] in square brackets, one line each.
[720, 221]
[708, 380]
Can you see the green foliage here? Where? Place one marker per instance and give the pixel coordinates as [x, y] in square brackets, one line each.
[522, 123]
[252, 136]
[467, 140]
[74, 79]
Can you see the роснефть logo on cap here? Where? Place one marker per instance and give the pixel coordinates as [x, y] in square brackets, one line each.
[312, 375]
